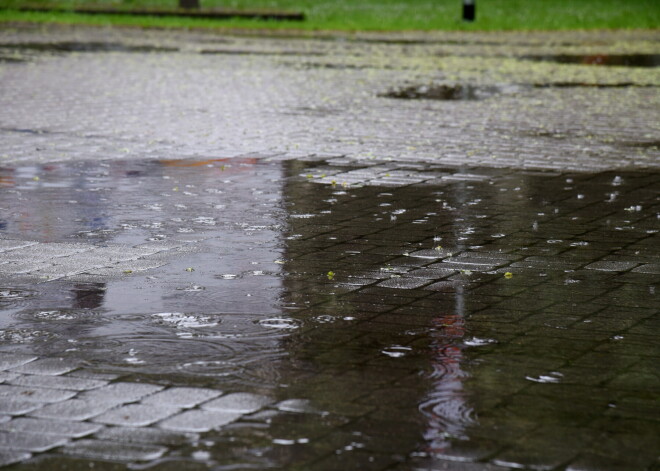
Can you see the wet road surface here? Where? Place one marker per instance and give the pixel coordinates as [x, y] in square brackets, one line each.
[308, 288]
[332, 316]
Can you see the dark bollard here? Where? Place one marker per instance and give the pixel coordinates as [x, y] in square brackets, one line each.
[469, 10]
[189, 4]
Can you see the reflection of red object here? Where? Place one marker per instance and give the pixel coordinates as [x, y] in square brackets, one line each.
[445, 408]
[7, 177]
[597, 59]
[451, 325]
[121, 169]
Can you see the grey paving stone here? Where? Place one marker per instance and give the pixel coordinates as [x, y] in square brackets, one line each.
[457, 264]
[181, 397]
[7, 244]
[543, 263]
[158, 246]
[86, 374]
[466, 177]
[50, 427]
[29, 441]
[12, 406]
[48, 366]
[45, 252]
[8, 457]
[199, 420]
[431, 254]
[7, 376]
[21, 268]
[120, 393]
[296, 405]
[123, 268]
[404, 283]
[57, 271]
[136, 415]
[606, 265]
[121, 252]
[73, 409]
[470, 259]
[12, 360]
[57, 382]
[653, 268]
[108, 450]
[432, 273]
[34, 394]
[154, 436]
[244, 403]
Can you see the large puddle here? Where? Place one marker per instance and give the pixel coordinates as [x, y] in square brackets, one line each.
[216, 226]
[396, 316]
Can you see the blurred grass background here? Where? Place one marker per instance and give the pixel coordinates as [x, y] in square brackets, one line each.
[372, 15]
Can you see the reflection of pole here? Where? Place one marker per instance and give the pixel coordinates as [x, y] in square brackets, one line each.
[469, 10]
[188, 3]
[445, 406]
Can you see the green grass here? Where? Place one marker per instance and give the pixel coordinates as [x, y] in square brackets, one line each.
[383, 15]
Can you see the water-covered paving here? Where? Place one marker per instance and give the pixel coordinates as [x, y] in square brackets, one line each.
[325, 314]
[371, 251]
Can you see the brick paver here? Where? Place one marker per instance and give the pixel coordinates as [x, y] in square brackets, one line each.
[324, 100]
[247, 254]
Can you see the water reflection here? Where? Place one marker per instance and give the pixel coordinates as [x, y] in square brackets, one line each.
[88, 295]
[448, 296]
[98, 201]
[446, 406]
[198, 220]
[407, 317]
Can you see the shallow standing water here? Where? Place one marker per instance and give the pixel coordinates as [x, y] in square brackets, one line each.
[381, 316]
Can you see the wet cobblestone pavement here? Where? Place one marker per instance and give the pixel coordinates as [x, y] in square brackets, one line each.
[241, 253]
